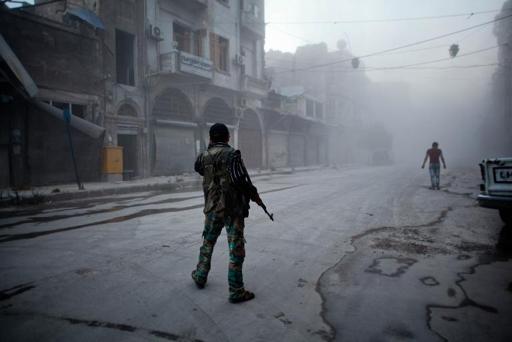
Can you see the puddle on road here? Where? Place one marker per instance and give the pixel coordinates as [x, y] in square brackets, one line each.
[491, 320]
[429, 281]
[408, 247]
[390, 266]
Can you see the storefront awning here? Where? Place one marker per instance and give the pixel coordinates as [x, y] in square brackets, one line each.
[16, 70]
[29, 90]
[77, 123]
[86, 15]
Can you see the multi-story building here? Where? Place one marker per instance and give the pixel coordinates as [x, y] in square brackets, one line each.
[204, 65]
[153, 76]
[342, 91]
[163, 71]
[498, 125]
[63, 63]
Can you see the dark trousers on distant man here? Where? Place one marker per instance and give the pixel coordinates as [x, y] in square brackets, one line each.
[435, 174]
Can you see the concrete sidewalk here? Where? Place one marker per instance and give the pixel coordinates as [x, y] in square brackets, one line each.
[62, 192]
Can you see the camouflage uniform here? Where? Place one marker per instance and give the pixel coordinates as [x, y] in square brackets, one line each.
[227, 190]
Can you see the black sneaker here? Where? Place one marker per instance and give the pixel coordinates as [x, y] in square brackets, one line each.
[242, 297]
[199, 283]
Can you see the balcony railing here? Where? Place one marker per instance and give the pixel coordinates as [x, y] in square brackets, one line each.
[195, 65]
[180, 62]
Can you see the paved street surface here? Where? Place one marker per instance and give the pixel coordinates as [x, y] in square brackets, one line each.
[361, 254]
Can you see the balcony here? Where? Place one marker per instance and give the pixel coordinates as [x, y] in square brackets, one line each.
[256, 86]
[183, 63]
[253, 24]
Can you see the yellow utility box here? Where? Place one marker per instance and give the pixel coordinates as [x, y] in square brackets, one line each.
[113, 160]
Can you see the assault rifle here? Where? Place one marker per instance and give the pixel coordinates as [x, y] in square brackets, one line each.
[255, 196]
[264, 207]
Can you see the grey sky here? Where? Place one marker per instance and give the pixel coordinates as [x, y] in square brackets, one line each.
[370, 37]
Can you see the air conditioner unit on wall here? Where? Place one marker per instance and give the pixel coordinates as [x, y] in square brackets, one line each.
[155, 32]
[239, 60]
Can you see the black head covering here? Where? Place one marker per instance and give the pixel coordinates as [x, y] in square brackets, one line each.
[219, 132]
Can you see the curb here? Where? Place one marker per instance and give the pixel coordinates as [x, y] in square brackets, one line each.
[195, 184]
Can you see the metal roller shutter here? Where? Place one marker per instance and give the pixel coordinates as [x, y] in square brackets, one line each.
[277, 149]
[175, 150]
[250, 144]
[312, 151]
[297, 150]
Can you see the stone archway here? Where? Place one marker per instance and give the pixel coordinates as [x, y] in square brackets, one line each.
[175, 133]
[217, 110]
[250, 139]
[297, 142]
[277, 132]
[127, 110]
[173, 104]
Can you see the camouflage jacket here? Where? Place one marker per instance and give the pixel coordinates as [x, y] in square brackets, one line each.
[226, 183]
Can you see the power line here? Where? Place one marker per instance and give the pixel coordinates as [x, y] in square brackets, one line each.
[404, 46]
[302, 60]
[292, 35]
[416, 50]
[415, 66]
[410, 66]
[443, 59]
[473, 66]
[334, 22]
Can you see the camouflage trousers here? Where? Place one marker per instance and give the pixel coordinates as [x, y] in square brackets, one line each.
[235, 230]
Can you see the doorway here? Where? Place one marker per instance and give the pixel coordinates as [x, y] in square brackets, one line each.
[129, 144]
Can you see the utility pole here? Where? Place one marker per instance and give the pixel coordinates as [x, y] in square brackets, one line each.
[67, 119]
[508, 83]
[506, 122]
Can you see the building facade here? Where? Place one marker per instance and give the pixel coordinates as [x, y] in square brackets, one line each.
[64, 61]
[342, 91]
[154, 76]
[496, 130]
[204, 65]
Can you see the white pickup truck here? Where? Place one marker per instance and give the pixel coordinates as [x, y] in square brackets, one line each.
[496, 191]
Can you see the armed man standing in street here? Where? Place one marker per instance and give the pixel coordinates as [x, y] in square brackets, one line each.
[227, 190]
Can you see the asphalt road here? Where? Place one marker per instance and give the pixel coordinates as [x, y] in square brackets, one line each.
[362, 254]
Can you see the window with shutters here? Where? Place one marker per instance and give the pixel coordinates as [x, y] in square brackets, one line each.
[219, 52]
[182, 36]
[187, 40]
[198, 43]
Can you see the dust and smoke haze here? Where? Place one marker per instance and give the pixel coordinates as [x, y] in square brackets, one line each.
[452, 101]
